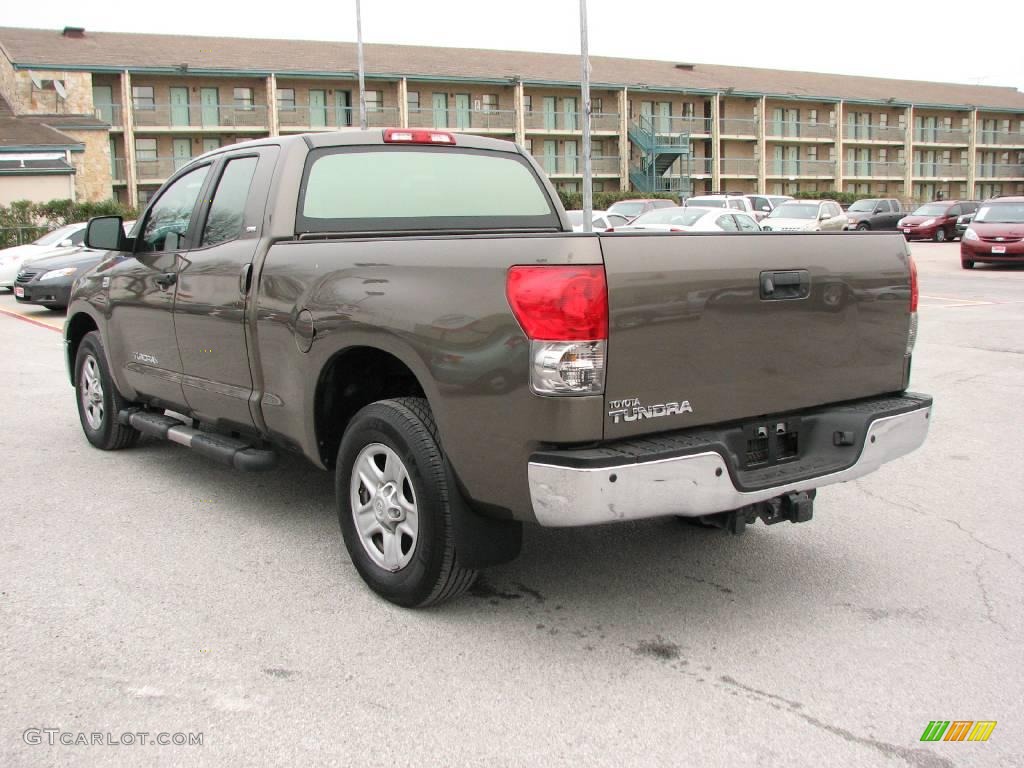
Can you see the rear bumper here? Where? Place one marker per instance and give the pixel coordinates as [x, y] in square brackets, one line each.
[695, 473]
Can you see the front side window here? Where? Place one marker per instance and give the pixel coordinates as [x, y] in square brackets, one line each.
[243, 98]
[286, 100]
[746, 223]
[227, 210]
[142, 98]
[417, 188]
[168, 219]
[727, 223]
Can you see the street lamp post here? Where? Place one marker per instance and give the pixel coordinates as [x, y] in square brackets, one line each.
[588, 192]
[362, 76]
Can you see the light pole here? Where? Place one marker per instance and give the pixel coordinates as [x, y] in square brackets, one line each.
[362, 75]
[588, 192]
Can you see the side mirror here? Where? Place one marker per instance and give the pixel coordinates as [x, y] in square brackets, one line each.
[879, 209]
[66, 243]
[105, 233]
[766, 208]
[822, 216]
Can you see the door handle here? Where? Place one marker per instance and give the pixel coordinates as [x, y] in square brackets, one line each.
[245, 279]
[166, 280]
[789, 284]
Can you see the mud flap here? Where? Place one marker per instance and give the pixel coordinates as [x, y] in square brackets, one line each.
[481, 541]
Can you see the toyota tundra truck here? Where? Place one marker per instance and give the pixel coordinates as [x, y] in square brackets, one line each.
[411, 310]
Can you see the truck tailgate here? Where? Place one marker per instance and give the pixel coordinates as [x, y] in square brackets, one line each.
[709, 328]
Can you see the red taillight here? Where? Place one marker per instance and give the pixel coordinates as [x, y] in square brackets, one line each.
[407, 136]
[559, 303]
[913, 284]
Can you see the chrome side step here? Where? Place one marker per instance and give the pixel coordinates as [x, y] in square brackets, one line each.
[221, 448]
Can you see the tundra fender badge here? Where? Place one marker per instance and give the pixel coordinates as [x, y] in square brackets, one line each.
[631, 410]
[147, 359]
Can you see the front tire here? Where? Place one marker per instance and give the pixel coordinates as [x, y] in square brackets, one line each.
[395, 505]
[966, 264]
[940, 235]
[863, 227]
[99, 402]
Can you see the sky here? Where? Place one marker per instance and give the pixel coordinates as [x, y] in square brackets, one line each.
[929, 40]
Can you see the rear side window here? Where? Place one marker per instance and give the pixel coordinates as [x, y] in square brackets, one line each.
[227, 211]
[361, 189]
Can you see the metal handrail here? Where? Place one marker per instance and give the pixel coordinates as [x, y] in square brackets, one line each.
[569, 121]
[197, 115]
[1000, 170]
[874, 132]
[867, 168]
[463, 119]
[572, 165]
[801, 168]
[941, 136]
[782, 129]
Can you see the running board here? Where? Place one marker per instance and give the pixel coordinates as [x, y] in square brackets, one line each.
[226, 450]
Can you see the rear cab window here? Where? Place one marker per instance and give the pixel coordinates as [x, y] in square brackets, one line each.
[421, 188]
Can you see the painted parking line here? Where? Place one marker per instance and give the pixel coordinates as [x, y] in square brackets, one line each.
[34, 321]
[950, 301]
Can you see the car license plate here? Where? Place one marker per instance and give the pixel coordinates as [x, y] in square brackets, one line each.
[998, 249]
[906, 231]
[20, 292]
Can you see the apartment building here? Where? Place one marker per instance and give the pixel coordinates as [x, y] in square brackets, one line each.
[141, 106]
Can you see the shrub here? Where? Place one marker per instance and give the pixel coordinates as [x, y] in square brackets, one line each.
[23, 221]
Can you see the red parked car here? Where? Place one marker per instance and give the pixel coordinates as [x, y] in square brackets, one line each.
[935, 221]
[996, 236]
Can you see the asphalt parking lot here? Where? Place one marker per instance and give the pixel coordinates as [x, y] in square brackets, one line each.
[148, 591]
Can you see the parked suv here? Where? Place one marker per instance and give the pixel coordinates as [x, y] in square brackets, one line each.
[633, 208]
[874, 213]
[996, 236]
[765, 204]
[936, 221]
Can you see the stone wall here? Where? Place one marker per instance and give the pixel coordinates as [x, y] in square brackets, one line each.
[92, 167]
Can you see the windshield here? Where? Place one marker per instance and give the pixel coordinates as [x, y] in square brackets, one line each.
[795, 211]
[52, 238]
[627, 209]
[932, 209]
[863, 205]
[707, 202]
[679, 217]
[1000, 213]
[778, 200]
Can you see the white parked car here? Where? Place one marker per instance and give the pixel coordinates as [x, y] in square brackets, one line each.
[736, 202]
[805, 216]
[692, 219]
[601, 220]
[11, 259]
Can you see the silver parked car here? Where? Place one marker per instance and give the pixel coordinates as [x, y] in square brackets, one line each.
[600, 220]
[693, 219]
[805, 216]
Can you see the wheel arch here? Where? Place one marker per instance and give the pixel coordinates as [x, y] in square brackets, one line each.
[75, 329]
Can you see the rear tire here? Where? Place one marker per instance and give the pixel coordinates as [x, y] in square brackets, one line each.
[940, 235]
[395, 505]
[99, 402]
[863, 227]
[966, 264]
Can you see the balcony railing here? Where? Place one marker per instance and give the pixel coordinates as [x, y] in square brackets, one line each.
[674, 126]
[923, 170]
[160, 168]
[1000, 138]
[739, 166]
[893, 134]
[940, 136]
[570, 121]
[572, 165]
[999, 171]
[464, 119]
[737, 126]
[783, 129]
[200, 116]
[312, 118]
[801, 168]
[864, 169]
[109, 113]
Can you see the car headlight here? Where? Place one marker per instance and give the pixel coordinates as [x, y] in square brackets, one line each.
[927, 222]
[53, 274]
[970, 234]
[899, 223]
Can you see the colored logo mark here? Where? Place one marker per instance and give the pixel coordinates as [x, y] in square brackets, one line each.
[958, 730]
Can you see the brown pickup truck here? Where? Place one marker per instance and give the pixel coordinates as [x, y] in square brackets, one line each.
[412, 310]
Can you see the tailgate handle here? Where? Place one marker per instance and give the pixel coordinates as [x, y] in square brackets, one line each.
[790, 284]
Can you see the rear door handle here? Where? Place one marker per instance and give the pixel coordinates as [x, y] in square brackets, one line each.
[166, 280]
[789, 284]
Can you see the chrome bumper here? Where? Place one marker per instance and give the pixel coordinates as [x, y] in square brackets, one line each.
[691, 486]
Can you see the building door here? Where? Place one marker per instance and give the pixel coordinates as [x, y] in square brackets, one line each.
[440, 106]
[549, 113]
[317, 109]
[664, 117]
[182, 152]
[179, 107]
[211, 144]
[792, 161]
[571, 118]
[647, 115]
[571, 157]
[550, 157]
[209, 98]
[103, 103]
[792, 122]
[343, 107]
[462, 114]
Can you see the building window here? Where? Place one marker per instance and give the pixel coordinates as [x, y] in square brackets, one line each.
[883, 155]
[528, 145]
[412, 101]
[490, 102]
[374, 101]
[812, 153]
[243, 98]
[145, 150]
[145, 195]
[596, 106]
[286, 100]
[812, 116]
[688, 109]
[142, 97]
[883, 120]
[597, 148]
[901, 156]
[527, 103]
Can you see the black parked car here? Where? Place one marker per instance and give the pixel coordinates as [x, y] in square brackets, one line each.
[874, 213]
[47, 281]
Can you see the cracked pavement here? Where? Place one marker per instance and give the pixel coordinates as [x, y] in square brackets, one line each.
[150, 591]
